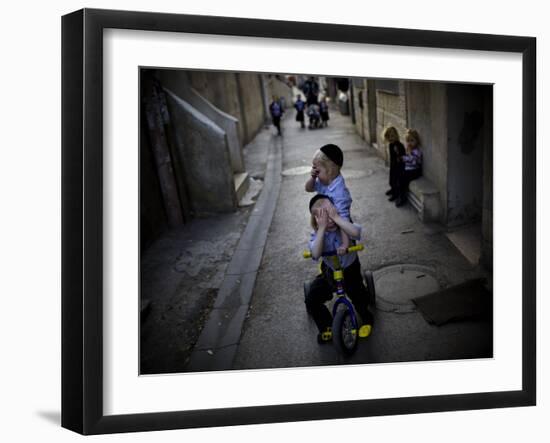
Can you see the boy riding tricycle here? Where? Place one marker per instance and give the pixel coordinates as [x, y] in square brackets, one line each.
[341, 276]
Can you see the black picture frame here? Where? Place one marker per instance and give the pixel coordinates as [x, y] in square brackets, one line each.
[82, 218]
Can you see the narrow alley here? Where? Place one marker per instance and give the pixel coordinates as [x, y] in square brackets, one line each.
[225, 219]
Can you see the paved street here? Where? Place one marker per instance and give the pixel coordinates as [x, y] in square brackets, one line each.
[409, 258]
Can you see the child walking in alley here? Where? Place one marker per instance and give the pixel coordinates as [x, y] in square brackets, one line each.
[276, 111]
[412, 166]
[397, 150]
[328, 227]
[300, 105]
[326, 179]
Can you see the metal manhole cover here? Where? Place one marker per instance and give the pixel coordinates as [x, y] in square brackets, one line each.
[397, 285]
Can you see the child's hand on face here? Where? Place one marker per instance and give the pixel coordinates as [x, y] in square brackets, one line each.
[314, 172]
[333, 214]
[322, 218]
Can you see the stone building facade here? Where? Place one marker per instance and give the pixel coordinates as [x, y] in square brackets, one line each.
[455, 123]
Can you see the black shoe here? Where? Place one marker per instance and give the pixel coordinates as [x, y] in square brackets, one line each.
[392, 198]
[389, 192]
[400, 202]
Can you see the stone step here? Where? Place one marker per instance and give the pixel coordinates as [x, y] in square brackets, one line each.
[424, 197]
[241, 183]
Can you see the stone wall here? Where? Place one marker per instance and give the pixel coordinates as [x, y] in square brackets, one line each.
[454, 157]
[369, 115]
[427, 110]
[151, 209]
[220, 89]
[278, 88]
[458, 164]
[206, 131]
[178, 83]
[238, 94]
[391, 111]
[252, 114]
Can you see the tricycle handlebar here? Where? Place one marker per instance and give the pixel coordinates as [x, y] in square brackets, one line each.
[359, 247]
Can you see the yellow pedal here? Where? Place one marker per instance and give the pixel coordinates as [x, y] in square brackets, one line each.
[365, 330]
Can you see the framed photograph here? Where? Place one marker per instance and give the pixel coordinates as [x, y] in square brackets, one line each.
[269, 221]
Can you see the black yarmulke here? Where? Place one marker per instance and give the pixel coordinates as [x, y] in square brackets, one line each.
[318, 197]
[334, 153]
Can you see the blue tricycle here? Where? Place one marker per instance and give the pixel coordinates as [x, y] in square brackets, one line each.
[345, 326]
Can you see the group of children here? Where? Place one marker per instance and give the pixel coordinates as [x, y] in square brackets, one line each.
[317, 112]
[405, 163]
[334, 230]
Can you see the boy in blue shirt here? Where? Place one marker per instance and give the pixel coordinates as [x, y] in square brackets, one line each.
[328, 227]
[276, 111]
[326, 179]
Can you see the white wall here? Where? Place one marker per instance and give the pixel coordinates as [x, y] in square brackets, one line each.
[30, 221]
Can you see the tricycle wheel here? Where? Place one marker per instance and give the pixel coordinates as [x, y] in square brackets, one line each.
[344, 333]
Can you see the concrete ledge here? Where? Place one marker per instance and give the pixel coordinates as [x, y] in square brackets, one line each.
[241, 184]
[202, 154]
[424, 197]
[225, 121]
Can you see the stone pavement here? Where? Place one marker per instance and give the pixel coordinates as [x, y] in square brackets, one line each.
[409, 258]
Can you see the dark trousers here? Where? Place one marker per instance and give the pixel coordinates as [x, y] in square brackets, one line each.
[403, 180]
[322, 288]
[396, 169]
[300, 117]
[277, 123]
